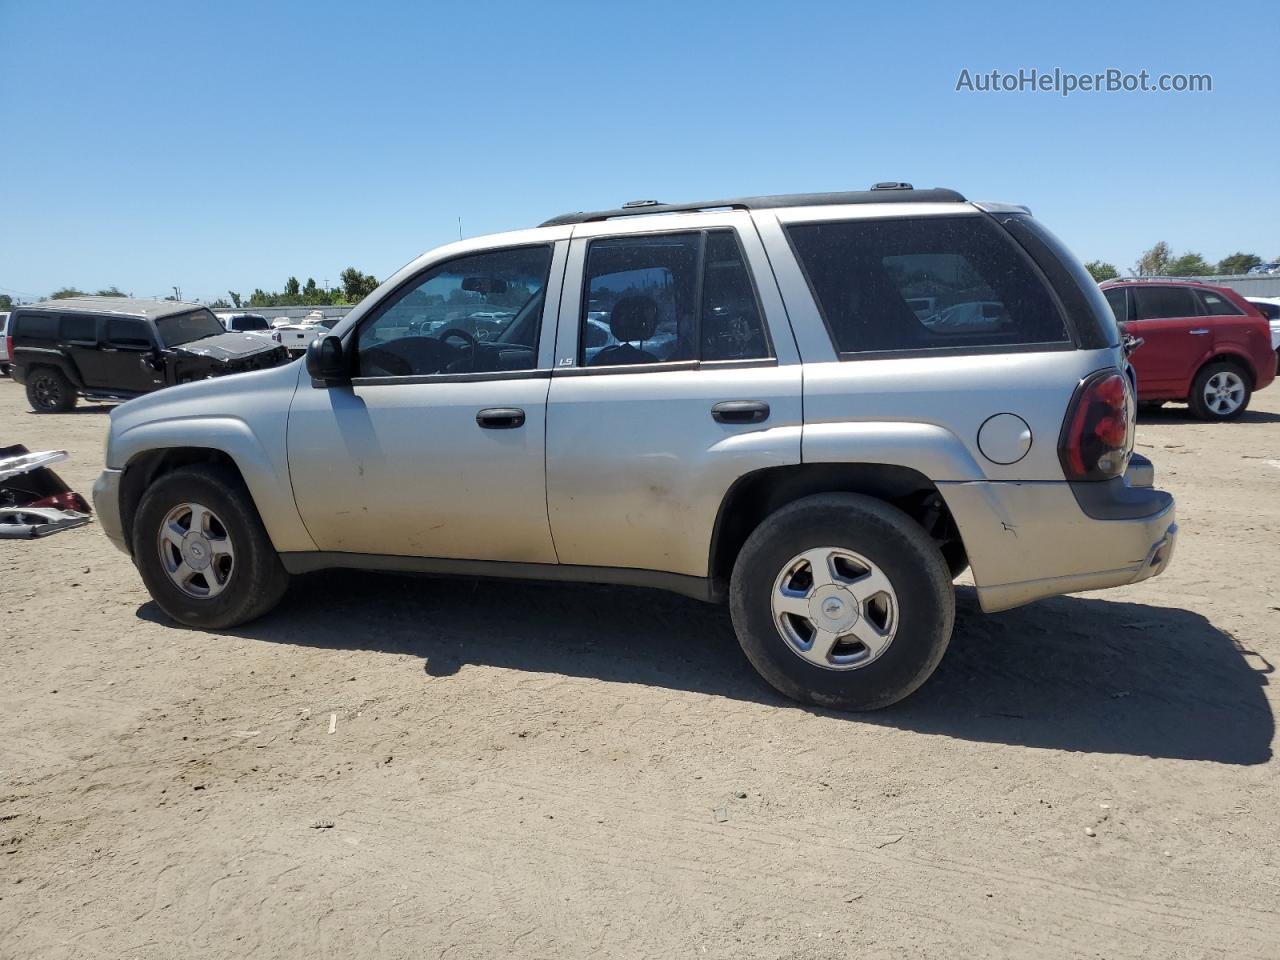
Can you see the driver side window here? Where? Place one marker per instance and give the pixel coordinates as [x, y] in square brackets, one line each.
[476, 314]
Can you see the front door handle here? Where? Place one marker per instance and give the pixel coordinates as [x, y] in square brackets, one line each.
[500, 418]
[1198, 332]
[740, 411]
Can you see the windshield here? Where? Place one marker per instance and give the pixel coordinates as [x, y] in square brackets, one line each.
[185, 327]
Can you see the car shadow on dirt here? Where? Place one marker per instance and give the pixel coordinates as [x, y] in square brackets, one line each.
[1068, 673]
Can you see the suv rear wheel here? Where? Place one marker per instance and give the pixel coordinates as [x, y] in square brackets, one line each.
[203, 552]
[1221, 391]
[48, 391]
[841, 600]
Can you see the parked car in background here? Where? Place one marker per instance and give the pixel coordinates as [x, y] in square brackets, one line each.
[117, 348]
[4, 344]
[803, 447]
[1269, 307]
[244, 322]
[1201, 343]
[1265, 269]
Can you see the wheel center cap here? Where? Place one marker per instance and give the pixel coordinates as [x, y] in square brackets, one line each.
[834, 608]
[196, 551]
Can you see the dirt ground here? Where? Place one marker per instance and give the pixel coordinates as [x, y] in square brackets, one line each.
[553, 771]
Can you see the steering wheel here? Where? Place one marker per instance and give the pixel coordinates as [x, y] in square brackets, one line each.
[471, 341]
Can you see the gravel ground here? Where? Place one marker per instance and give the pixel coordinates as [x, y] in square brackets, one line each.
[559, 771]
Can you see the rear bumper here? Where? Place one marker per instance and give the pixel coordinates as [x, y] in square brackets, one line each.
[106, 503]
[1011, 530]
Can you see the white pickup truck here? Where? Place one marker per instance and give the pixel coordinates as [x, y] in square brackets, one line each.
[296, 335]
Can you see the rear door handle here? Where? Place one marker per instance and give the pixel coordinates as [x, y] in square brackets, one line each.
[740, 411]
[500, 418]
[1199, 332]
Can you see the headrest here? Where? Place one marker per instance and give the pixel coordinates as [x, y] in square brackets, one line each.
[634, 318]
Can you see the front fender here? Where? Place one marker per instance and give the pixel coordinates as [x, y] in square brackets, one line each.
[266, 476]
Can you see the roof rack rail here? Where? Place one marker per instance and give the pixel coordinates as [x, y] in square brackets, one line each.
[1162, 279]
[886, 192]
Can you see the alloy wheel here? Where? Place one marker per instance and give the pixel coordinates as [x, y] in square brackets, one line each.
[48, 392]
[1224, 393]
[834, 608]
[196, 551]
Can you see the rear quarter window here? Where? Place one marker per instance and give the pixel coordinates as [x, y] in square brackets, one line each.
[35, 326]
[1216, 305]
[948, 284]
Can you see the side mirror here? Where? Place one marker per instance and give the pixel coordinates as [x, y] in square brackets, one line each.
[326, 362]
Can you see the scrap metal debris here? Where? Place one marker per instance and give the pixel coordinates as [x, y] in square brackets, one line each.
[35, 501]
[27, 523]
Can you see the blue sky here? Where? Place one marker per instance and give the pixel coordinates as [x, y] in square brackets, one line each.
[230, 145]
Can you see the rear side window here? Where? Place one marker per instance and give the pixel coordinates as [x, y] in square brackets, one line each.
[78, 327]
[1269, 310]
[667, 298]
[37, 326]
[1163, 303]
[956, 284]
[1216, 305]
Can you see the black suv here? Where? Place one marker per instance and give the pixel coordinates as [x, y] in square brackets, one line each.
[111, 348]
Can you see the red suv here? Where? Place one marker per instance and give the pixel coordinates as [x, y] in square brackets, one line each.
[1203, 344]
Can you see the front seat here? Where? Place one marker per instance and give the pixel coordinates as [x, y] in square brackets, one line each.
[632, 318]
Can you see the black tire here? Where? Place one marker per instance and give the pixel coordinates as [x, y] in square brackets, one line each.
[1200, 406]
[257, 580]
[48, 391]
[882, 534]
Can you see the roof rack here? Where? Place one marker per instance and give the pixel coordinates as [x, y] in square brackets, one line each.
[888, 192]
[1202, 280]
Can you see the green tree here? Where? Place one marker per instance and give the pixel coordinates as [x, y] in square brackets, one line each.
[1189, 265]
[111, 291]
[1101, 270]
[66, 293]
[1155, 262]
[219, 304]
[1239, 263]
[292, 288]
[6, 302]
[235, 298]
[356, 285]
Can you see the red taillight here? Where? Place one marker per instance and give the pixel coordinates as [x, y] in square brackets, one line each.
[1097, 436]
[8, 348]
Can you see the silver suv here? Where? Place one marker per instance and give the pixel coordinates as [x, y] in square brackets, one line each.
[820, 408]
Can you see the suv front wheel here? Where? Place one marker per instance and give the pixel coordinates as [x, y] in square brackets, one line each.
[843, 601]
[202, 551]
[48, 391]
